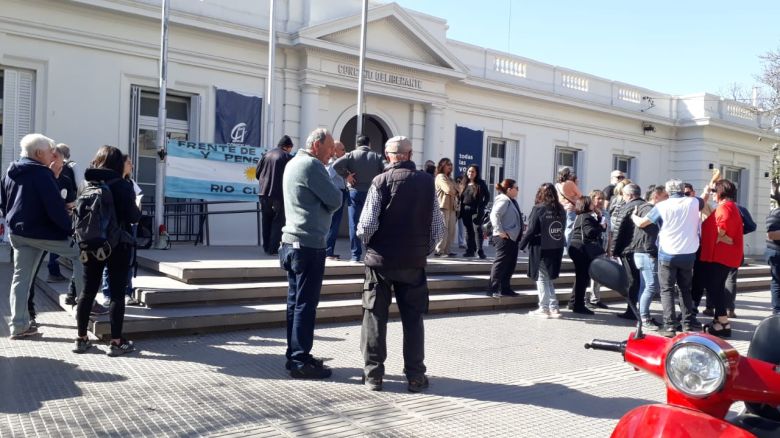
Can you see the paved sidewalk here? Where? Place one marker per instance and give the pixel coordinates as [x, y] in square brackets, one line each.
[492, 374]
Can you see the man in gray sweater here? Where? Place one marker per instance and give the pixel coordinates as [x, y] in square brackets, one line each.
[358, 168]
[310, 199]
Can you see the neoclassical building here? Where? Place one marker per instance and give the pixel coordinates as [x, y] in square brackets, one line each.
[85, 73]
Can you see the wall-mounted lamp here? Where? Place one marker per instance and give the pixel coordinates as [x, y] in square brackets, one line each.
[766, 174]
[647, 127]
[710, 166]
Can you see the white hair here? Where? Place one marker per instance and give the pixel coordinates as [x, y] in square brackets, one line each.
[319, 134]
[31, 143]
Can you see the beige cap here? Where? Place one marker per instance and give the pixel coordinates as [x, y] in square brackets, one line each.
[616, 173]
[398, 145]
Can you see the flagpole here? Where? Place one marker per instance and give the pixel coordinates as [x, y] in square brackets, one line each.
[162, 114]
[269, 113]
[361, 73]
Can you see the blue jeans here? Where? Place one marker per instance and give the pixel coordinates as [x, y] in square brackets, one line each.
[305, 270]
[333, 233]
[356, 201]
[648, 281]
[547, 298]
[773, 259]
[571, 216]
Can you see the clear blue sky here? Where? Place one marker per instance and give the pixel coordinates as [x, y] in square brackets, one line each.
[676, 47]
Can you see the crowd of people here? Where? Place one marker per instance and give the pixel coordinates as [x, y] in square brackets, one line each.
[671, 243]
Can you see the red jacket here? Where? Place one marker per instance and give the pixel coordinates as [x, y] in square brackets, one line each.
[727, 217]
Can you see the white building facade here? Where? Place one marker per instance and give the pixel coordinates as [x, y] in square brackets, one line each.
[85, 72]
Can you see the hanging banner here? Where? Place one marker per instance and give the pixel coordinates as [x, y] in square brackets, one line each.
[468, 150]
[238, 119]
[212, 172]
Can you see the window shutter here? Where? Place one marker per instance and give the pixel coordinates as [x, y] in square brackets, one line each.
[194, 134]
[18, 101]
[135, 108]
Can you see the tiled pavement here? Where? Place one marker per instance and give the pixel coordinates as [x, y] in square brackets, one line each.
[492, 374]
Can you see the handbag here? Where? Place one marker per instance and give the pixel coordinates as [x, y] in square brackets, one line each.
[591, 249]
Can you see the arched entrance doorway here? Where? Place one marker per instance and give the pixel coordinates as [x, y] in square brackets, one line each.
[373, 127]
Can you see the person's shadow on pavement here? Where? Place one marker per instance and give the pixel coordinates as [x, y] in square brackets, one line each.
[22, 390]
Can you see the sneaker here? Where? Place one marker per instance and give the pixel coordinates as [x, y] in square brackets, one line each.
[56, 278]
[333, 257]
[437, 255]
[31, 331]
[123, 348]
[418, 384]
[98, 309]
[82, 345]
[288, 365]
[582, 310]
[481, 255]
[667, 331]
[34, 323]
[555, 313]
[510, 293]
[541, 313]
[70, 301]
[650, 324]
[131, 301]
[692, 326]
[495, 294]
[372, 383]
[311, 370]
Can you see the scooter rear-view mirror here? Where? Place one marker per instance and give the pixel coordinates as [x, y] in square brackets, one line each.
[610, 274]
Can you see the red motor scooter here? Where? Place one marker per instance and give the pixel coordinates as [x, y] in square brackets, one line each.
[704, 376]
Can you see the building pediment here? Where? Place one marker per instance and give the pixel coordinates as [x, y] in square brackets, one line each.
[392, 36]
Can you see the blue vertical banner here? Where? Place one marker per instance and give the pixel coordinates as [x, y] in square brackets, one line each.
[238, 119]
[468, 149]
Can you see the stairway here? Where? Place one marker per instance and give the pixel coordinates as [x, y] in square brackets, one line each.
[195, 289]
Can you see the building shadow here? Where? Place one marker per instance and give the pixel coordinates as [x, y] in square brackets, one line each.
[23, 389]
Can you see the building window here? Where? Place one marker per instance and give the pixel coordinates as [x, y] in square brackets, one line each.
[733, 174]
[565, 157]
[623, 164]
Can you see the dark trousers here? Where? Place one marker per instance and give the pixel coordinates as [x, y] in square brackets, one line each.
[699, 281]
[773, 260]
[118, 264]
[503, 265]
[335, 222]
[731, 289]
[716, 287]
[54, 267]
[273, 221]
[582, 276]
[670, 273]
[411, 294]
[356, 201]
[473, 231]
[305, 270]
[629, 264]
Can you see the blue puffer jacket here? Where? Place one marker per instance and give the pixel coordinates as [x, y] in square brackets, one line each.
[31, 203]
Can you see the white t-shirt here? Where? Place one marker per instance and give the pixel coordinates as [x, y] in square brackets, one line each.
[680, 225]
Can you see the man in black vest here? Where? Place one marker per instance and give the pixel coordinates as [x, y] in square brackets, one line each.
[400, 225]
[622, 235]
[269, 172]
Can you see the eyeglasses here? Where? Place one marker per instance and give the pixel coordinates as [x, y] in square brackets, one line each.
[687, 193]
[713, 191]
[621, 177]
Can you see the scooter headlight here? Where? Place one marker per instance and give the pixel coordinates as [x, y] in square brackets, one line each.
[697, 366]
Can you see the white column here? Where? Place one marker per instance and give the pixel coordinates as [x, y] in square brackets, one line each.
[434, 117]
[310, 107]
[417, 133]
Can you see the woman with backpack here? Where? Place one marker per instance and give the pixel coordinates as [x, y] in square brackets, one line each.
[544, 239]
[113, 196]
[473, 200]
[585, 245]
[507, 222]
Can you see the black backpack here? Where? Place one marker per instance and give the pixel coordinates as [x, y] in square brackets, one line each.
[95, 224]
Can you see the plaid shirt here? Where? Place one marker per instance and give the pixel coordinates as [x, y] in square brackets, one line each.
[369, 219]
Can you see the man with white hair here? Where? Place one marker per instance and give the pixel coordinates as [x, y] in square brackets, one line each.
[37, 220]
[678, 241]
[309, 202]
[400, 225]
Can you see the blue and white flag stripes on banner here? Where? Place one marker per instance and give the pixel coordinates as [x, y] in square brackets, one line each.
[212, 172]
[238, 119]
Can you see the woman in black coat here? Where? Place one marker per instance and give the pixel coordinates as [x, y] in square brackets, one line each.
[585, 244]
[544, 240]
[107, 167]
[473, 200]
